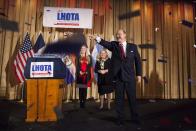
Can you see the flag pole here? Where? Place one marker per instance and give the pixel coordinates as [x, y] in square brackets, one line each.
[22, 93]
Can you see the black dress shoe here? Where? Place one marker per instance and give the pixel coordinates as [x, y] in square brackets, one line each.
[136, 121]
[120, 123]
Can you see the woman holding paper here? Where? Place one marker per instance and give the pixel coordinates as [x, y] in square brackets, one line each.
[102, 68]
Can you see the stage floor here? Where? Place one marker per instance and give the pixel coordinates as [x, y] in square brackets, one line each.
[155, 116]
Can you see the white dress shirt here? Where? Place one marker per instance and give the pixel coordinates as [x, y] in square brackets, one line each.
[98, 39]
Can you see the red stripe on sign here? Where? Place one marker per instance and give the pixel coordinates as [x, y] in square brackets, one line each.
[72, 24]
[41, 73]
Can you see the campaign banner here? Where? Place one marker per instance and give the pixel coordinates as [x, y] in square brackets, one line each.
[67, 17]
[41, 69]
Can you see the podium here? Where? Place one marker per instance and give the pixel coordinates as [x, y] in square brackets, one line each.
[45, 77]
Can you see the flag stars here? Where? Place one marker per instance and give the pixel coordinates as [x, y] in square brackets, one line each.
[27, 46]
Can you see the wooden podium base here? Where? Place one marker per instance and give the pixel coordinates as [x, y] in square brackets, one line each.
[44, 96]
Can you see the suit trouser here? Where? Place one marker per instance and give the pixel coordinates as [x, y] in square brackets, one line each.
[130, 88]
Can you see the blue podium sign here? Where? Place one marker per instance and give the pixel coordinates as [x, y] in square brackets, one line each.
[52, 68]
[41, 69]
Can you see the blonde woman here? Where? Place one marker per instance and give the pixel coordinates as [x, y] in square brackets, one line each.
[83, 74]
[102, 68]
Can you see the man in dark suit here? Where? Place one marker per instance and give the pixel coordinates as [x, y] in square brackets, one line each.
[125, 64]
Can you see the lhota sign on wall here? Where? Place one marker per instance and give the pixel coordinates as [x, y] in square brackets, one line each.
[67, 17]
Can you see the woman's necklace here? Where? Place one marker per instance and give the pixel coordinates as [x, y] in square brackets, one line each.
[102, 64]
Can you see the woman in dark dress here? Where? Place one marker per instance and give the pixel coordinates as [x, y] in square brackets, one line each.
[102, 68]
[83, 74]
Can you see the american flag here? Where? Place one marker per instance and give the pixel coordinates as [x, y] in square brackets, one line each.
[25, 51]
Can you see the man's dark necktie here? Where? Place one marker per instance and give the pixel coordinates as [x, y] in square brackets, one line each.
[122, 52]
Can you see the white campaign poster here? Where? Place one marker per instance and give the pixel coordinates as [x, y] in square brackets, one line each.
[67, 17]
[41, 69]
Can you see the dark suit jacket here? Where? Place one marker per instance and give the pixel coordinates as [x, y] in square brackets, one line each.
[127, 68]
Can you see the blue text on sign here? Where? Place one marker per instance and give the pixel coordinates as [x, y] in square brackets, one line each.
[68, 16]
[41, 68]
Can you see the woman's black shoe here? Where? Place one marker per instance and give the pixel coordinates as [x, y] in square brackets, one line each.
[136, 121]
[82, 104]
[120, 123]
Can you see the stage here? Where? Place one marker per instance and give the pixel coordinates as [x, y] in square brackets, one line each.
[50, 49]
[155, 115]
